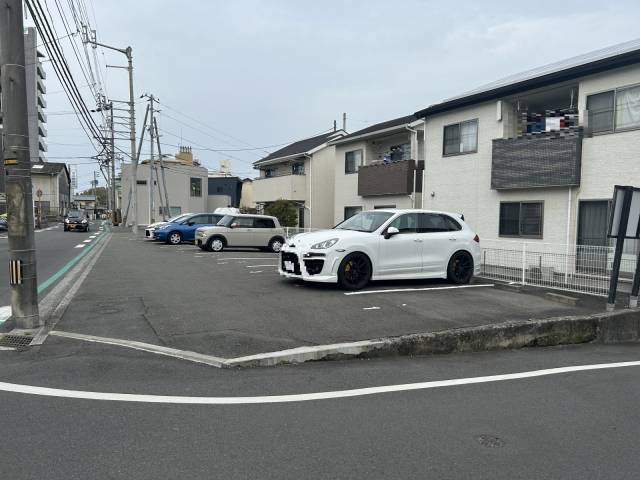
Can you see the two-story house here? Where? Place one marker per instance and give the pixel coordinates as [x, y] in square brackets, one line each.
[302, 172]
[380, 166]
[536, 155]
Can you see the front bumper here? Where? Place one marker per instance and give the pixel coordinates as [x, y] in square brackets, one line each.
[309, 265]
[160, 235]
[149, 233]
[77, 226]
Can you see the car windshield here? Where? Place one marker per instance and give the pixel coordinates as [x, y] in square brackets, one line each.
[177, 218]
[226, 221]
[365, 221]
[76, 214]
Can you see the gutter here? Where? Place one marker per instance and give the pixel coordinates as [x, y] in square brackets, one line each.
[370, 134]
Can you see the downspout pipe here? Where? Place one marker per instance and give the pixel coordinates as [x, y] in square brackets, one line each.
[414, 133]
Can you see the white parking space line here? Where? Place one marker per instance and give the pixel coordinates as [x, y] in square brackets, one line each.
[88, 240]
[244, 258]
[258, 266]
[80, 245]
[371, 308]
[93, 236]
[222, 263]
[426, 289]
[256, 271]
[302, 397]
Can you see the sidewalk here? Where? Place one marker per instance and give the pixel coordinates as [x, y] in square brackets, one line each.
[234, 304]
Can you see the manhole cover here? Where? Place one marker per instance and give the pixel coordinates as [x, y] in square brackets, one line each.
[490, 441]
[15, 341]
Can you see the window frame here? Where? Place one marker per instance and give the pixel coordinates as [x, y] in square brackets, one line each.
[191, 189]
[344, 211]
[540, 236]
[356, 166]
[459, 125]
[615, 109]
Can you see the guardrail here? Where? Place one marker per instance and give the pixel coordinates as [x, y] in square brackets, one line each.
[576, 268]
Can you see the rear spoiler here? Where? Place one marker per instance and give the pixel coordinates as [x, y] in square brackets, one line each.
[460, 216]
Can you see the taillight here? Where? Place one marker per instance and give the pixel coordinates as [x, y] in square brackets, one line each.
[476, 239]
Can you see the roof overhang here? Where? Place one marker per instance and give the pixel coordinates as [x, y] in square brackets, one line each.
[376, 133]
[273, 161]
[572, 73]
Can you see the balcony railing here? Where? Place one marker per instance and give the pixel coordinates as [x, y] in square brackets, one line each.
[270, 189]
[545, 159]
[391, 178]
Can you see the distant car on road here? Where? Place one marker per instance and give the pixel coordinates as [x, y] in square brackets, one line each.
[184, 229]
[76, 220]
[243, 230]
[148, 232]
[3, 222]
[385, 244]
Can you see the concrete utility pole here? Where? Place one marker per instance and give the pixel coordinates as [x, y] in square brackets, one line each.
[132, 136]
[22, 253]
[114, 216]
[151, 165]
[95, 194]
[166, 210]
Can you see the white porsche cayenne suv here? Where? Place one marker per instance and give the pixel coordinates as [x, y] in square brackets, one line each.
[385, 244]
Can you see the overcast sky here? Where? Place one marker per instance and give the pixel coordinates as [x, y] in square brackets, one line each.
[255, 73]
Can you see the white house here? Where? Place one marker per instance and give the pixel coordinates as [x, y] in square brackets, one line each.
[304, 173]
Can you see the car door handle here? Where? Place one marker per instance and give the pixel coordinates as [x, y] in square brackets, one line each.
[452, 239]
[417, 240]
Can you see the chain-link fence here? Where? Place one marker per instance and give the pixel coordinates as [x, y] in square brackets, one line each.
[577, 268]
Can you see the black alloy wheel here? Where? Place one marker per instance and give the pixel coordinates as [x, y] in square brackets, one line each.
[354, 272]
[460, 269]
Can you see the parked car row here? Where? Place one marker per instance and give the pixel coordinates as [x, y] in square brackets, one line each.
[384, 244]
[216, 231]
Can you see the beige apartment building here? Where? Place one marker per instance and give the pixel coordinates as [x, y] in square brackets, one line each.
[303, 172]
[380, 166]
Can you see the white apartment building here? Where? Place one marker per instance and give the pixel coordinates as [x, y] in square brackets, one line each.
[380, 166]
[536, 156]
[303, 172]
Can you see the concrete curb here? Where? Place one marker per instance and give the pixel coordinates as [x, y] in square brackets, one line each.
[607, 327]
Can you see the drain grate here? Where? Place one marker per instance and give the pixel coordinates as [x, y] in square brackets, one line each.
[16, 341]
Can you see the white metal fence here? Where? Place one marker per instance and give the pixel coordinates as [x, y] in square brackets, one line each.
[578, 268]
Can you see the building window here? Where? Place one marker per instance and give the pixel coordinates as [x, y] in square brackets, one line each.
[218, 189]
[269, 172]
[614, 110]
[195, 186]
[141, 182]
[521, 219]
[297, 169]
[460, 138]
[352, 161]
[351, 211]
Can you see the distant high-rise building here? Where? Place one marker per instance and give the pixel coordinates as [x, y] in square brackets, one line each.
[36, 104]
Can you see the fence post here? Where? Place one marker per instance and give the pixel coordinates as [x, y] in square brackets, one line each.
[524, 262]
[566, 265]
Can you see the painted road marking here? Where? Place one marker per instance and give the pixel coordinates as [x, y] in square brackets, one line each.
[301, 397]
[259, 266]
[5, 313]
[371, 308]
[87, 240]
[243, 258]
[399, 290]
[256, 271]
[80, 245]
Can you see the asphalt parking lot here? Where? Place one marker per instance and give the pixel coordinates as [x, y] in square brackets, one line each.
[234, 303]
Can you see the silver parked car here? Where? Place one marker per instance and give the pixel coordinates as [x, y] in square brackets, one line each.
[242, 230]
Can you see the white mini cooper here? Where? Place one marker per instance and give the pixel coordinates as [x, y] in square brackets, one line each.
[385, 244]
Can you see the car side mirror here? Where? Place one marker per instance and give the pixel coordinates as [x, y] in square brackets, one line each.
[391, 231]
[191, 224]
[234, 225]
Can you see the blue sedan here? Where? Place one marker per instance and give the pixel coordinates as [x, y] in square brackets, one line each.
[184, 229]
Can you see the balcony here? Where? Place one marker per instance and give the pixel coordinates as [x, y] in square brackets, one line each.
[41, 87]
[41, 101]
[391, 178]
[41, 115]
[288, 187]
[544, 159]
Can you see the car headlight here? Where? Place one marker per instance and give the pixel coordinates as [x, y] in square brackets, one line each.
[66, 220]
[84, 220]
[325, 244]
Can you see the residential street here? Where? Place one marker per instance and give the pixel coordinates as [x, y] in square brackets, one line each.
[569, 425]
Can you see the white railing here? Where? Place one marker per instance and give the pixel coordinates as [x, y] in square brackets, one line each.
[577, 268]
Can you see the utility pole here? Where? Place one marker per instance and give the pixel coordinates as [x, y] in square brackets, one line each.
[166, 208]
[133, 198]
[17, 162]
[95, 194]
[151, 138]
[114, 216]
